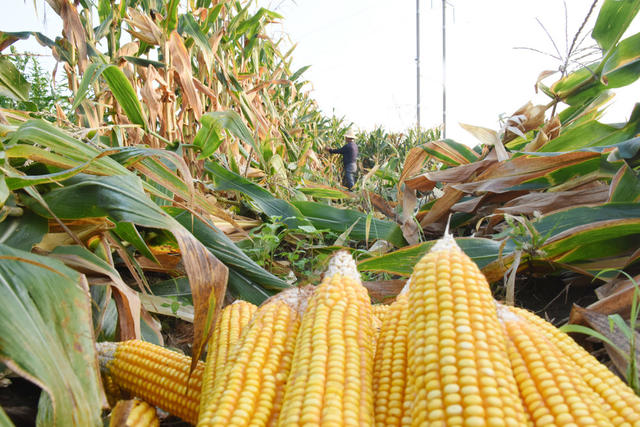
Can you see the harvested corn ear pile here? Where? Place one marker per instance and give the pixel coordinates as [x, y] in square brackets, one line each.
[133, 413]
[445, 353]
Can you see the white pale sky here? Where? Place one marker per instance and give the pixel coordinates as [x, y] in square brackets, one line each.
[362, 56]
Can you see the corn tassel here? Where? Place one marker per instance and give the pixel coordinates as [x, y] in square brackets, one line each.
[229, 327]
[134, 413]
[457, 349]
[620, 403]
[331, 377]
[249, 391]
[155, 374]
[390, 365]
[551, 389]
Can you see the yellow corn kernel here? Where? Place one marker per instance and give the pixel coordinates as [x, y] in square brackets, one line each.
[380, 310]
[390, 365]
[551, 388]
[620, 403]
[231, 322]
[134, 413]
[457, 352]
[250, 389]
[111, 390]
[155, 374]
[331, 376]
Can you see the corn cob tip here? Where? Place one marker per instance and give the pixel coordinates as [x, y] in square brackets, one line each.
[343, 263]
[447, 242]
[405, 288]
[106, 353]
[506, 315]
[297, 297]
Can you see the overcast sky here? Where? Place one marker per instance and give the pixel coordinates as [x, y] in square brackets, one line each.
[362, 56]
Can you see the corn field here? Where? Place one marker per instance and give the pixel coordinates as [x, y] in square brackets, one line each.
[173, 220]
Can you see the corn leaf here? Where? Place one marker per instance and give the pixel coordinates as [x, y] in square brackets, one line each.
[46, 334]
[4, 419]
[125, 95]
[120, 88]
[127, 301]
[625, 186]
[12, 83]
[613, 20]
[323, 216]
[226, 251]
[189, 26]
[231, 121]
[9, 38]
[208, 138]
[623, 66]
[324, 193]
[594, 134]
[272, 206]
[23, 232]
[171, 21]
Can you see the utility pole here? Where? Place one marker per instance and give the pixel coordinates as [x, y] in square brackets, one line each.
[418, 62]
[444, 69]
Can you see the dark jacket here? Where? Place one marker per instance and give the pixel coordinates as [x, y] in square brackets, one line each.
[349, 153]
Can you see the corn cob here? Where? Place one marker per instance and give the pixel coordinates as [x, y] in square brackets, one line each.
[551, 389]
[134, 413]
[457, 349]
[249, 390]
[390, 365]
[620, 403]
[331, 377]
[154, 374]
[229, 327]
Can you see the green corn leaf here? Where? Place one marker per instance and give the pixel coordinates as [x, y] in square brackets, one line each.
[231, 121]
[570, 328]
[189, 26]
[265, 201]
[143, 62]
[226, 251]
[9, 38]
[613, 20]
[625, 186]
[208, 137]
[128, 232]
[623, 65]
[12, 83]
[120, 88]
[323, 216]
[125, 95]
[23, 232]
[171, 21]
[46, 335]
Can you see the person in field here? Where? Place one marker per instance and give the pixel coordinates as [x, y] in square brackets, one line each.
[349, 152]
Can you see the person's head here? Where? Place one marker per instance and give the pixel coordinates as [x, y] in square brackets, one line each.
[350, 135]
